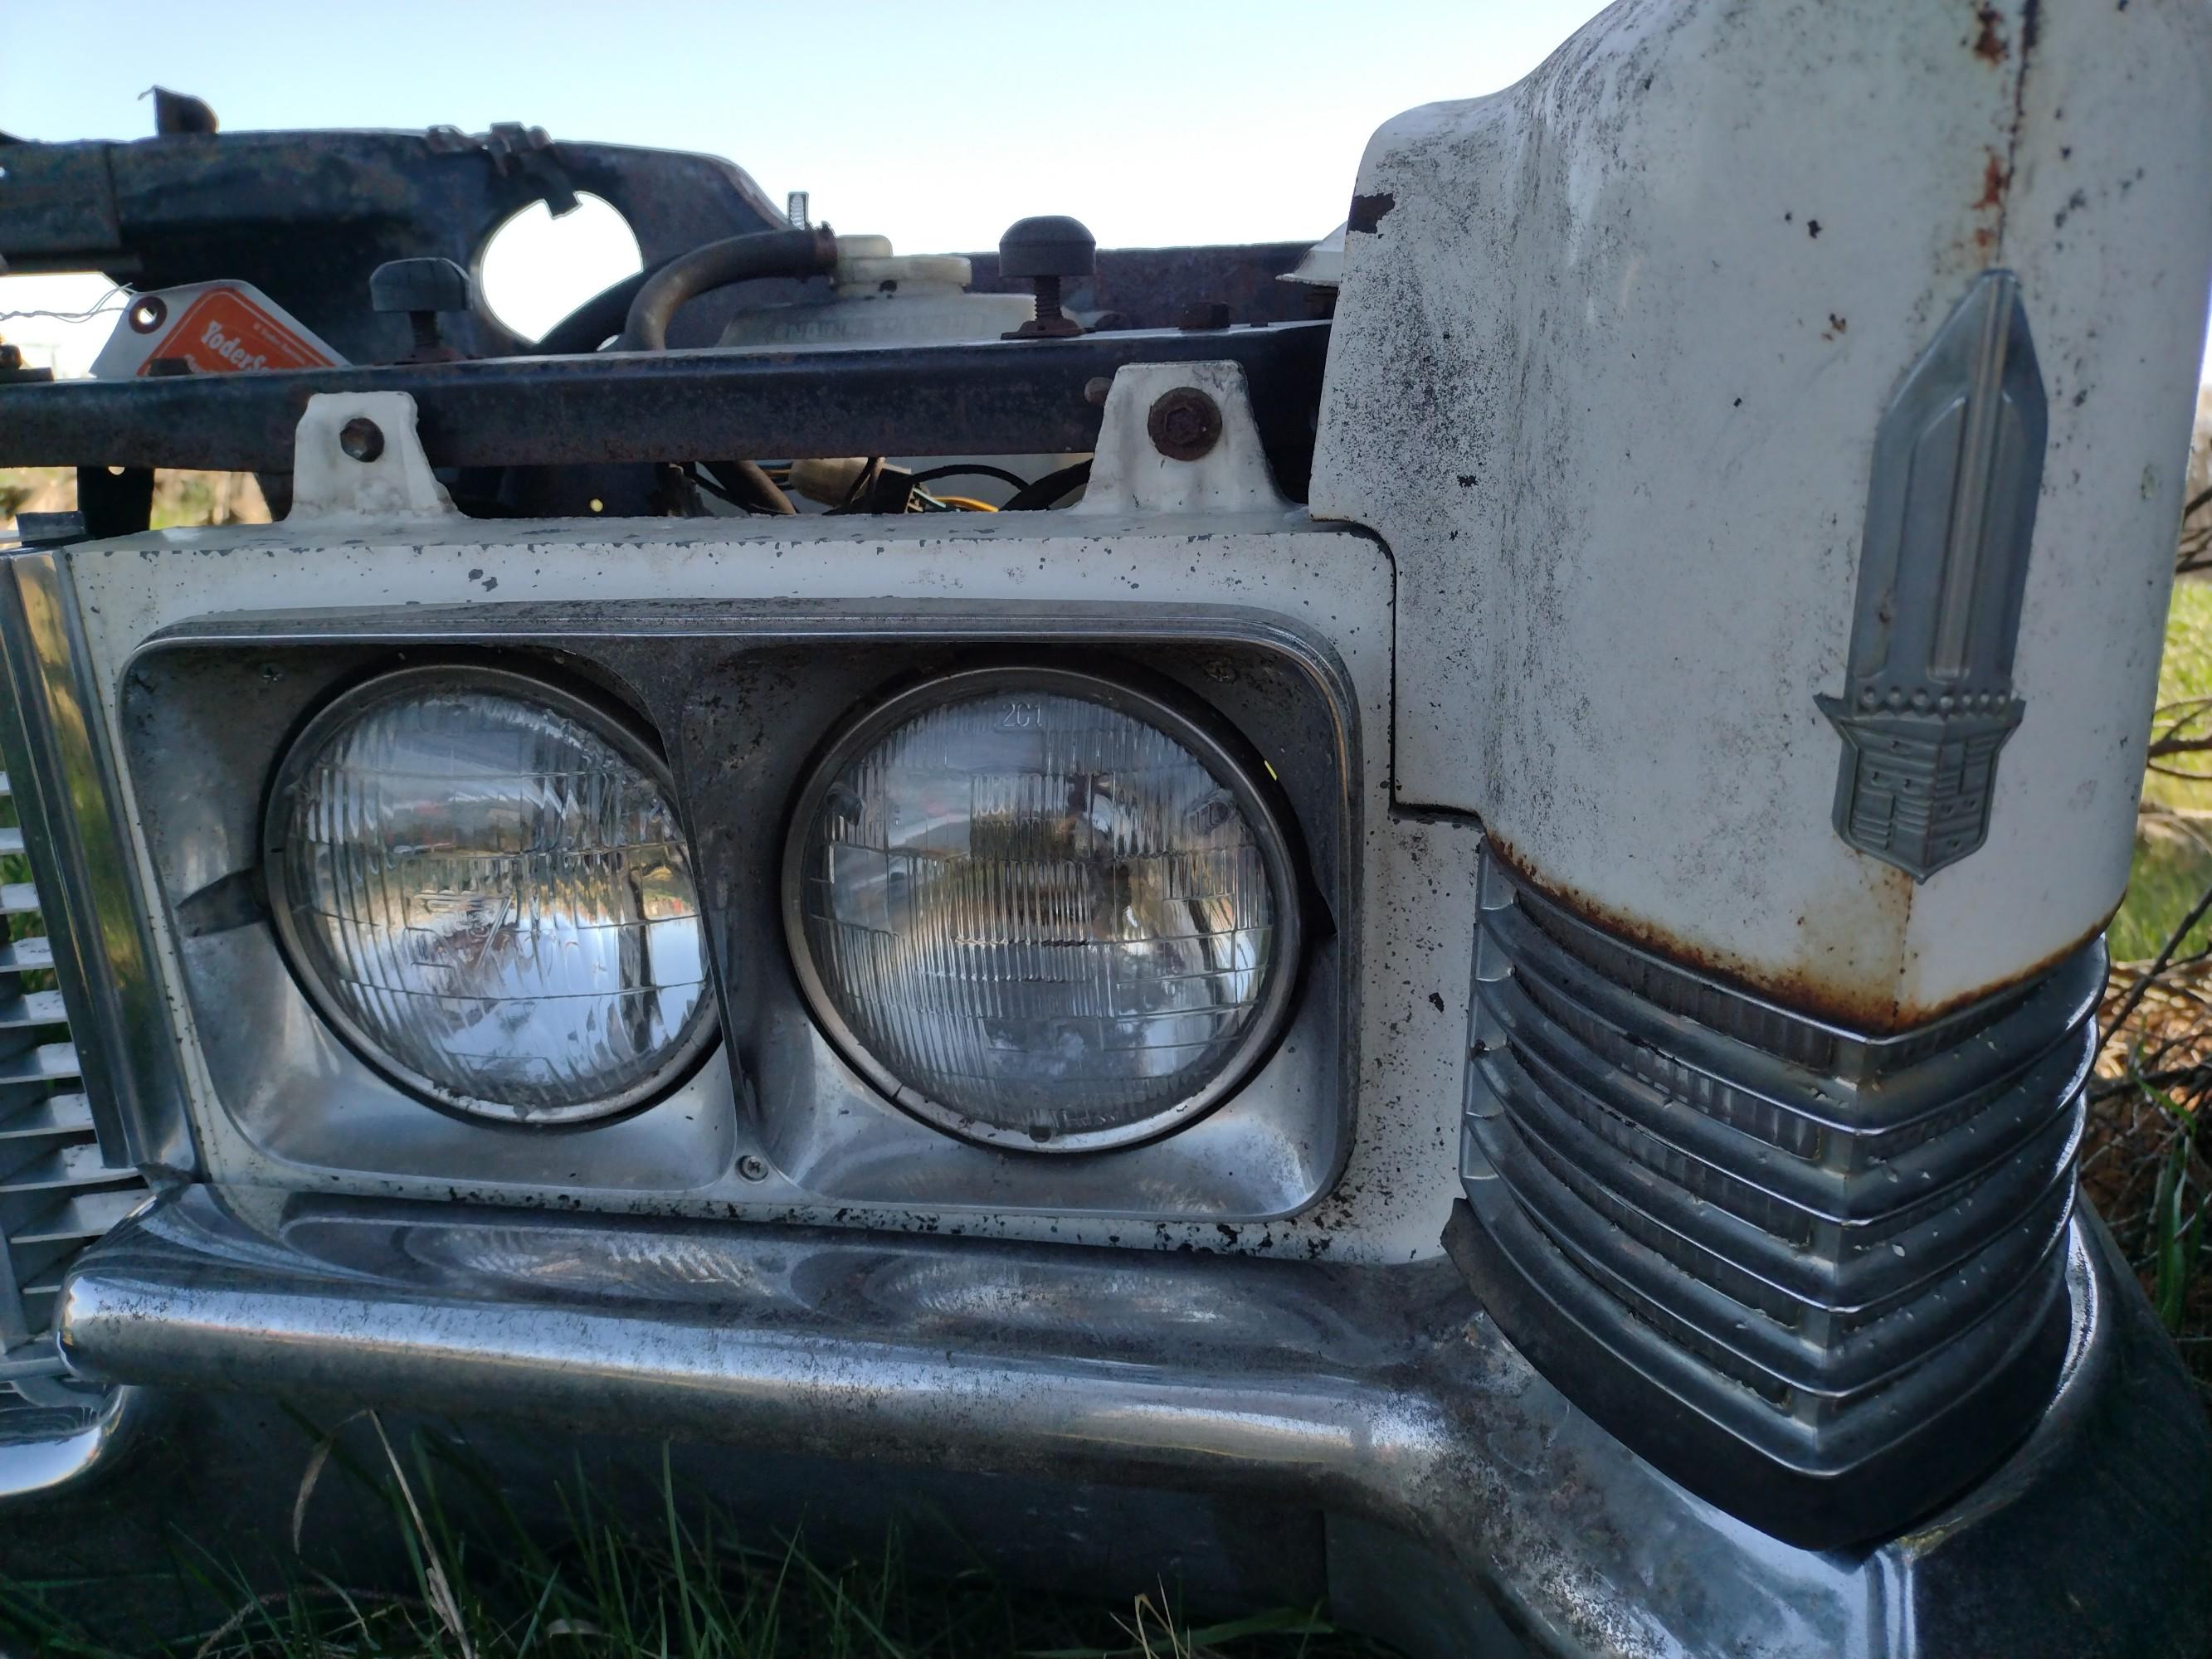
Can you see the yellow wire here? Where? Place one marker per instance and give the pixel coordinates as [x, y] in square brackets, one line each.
[968, 502]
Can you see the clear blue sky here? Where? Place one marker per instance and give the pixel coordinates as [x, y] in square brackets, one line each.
[935, 122]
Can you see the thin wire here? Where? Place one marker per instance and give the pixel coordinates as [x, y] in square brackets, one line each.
[99, 307]
[863, 486]
[971, 470]
[691, 472]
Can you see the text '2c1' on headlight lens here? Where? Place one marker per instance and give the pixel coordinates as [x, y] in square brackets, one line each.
[1041, 909]
[482, 884]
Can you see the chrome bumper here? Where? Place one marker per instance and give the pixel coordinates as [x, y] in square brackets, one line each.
[1381, 1398]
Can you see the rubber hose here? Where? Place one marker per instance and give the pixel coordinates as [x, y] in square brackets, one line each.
[758, 491]
[737, 259]
[1049, 488]
[599, 318]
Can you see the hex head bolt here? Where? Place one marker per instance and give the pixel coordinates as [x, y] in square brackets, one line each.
[361, 439]
[1184, 424]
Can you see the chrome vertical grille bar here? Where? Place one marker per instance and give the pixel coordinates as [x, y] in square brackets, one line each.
[70, 812]
[57, 1190]
[67, 1175]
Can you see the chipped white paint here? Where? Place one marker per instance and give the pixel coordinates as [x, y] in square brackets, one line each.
[332, 488]
[1609, 356]
[1129, 474]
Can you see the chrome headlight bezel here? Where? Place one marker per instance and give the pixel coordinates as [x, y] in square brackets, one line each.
[1216, 748]
[738, 697]
[701, 1028]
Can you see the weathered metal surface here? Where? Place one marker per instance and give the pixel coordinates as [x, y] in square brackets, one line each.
[1183, 424]
[209, 710]
[73, 833]
[1155, 287]
[1013, 397]
[308, 216]
[1180, 438]
[663, 606]
[356, 459]
[1804, 991]
[1381, 1395]
[1813, 1276]
[74, 1078]
[1612, 351]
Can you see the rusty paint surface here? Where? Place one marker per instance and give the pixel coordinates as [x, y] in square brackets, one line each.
[1995, 177]
[1612, 627]
[1990, 43]
[1803, 990]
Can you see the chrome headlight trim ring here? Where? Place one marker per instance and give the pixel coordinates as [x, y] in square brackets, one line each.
[702, 1029]
[1221, 755]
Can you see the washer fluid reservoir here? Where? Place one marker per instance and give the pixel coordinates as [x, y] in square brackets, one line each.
[885, 299]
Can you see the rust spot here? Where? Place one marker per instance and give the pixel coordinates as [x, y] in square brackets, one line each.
[1990, 45]
[1367, 211]
[1994, 181]
[1800, 991]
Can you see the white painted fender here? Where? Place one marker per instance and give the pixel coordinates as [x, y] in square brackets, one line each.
[1609, 356]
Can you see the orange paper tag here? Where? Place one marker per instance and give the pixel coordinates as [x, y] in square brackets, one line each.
[224, 332]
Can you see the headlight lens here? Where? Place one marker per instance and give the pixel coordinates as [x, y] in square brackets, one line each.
[1041, 909]
[482, 884]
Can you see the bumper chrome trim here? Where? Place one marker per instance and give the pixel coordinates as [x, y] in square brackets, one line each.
[57, 1444]
[1381, 1395]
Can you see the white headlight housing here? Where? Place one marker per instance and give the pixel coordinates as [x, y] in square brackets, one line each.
[1040, 908]
[481, 883]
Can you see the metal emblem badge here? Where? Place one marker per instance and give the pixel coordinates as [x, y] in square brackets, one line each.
[1928, 699]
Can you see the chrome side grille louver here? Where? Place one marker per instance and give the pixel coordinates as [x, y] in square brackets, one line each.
[86, 1058]
[57, 1191]
[1817, 1276]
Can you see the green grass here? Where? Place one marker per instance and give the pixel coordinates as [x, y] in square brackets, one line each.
[678, 1582]
[2186, 669]
[2173, 862]
[2172, 867]
[2145, 1163]
[2184, 674]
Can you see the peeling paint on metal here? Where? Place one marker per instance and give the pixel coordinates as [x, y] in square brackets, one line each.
[1367, 211]
[1596, 389]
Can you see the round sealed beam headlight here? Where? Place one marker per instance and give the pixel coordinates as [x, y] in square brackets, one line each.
[1039, 909]
[481, 883]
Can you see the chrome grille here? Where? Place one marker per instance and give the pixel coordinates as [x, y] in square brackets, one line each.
[1736, 1230]
[57, 1191]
